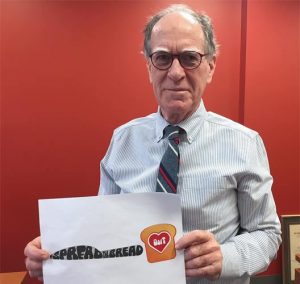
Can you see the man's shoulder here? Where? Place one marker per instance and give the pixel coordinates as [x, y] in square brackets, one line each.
[230, 125]
[137, 124]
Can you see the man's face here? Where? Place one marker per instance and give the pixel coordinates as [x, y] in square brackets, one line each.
[178, 91]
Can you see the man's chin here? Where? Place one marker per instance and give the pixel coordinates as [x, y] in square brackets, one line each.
[175, 113]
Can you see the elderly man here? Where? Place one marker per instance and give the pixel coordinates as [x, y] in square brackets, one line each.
[229, 217]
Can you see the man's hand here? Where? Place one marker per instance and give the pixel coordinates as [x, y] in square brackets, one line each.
[34, 258]
[203, 257]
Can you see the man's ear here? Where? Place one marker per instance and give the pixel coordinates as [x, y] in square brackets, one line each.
[149, 68]
[212, 66]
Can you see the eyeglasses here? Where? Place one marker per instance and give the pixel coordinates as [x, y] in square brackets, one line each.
[163, 60]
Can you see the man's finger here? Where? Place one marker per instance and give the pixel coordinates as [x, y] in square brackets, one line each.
[201, 261]
[33, 250]
[211, 271]
[193, 237]
[201, 249]
[32, 265]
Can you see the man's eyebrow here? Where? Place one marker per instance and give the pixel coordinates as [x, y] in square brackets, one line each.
[160, 49]
[193, 49]
[183, 50]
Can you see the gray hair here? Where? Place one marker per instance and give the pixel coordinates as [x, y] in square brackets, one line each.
[211, 45]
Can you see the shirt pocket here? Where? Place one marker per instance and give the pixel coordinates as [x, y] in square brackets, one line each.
[208, 203]
[208, 191]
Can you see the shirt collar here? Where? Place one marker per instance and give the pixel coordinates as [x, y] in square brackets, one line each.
[191, 125]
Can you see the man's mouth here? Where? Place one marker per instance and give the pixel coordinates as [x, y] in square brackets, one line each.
[177, 90]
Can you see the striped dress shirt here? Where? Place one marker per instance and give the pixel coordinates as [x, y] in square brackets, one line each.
[224, 184]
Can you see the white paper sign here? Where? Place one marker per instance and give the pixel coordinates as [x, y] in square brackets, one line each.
[112, 239]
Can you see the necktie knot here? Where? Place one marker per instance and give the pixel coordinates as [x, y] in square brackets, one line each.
[173, 132]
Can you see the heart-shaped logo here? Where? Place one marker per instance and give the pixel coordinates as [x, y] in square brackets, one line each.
[159, 241]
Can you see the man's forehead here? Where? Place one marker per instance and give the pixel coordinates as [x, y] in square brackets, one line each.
[174, 19]
[177, 30]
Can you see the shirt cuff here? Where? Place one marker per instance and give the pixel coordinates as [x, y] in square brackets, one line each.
[231, 265]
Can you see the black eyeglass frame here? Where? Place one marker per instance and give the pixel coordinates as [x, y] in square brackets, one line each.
[178, 56]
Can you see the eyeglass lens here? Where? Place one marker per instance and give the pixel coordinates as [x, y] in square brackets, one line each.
[188, 59]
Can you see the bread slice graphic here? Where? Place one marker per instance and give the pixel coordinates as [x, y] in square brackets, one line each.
[159, 242]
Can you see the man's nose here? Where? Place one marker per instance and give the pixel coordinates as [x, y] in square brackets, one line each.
[176, 72]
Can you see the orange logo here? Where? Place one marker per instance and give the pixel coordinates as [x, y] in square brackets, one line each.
[159, 242]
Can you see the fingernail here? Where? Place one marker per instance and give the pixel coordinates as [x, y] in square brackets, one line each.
[45, 255]
[177, 247]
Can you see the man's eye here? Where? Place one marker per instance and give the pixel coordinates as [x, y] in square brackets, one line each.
[190, 57]
[162, 57]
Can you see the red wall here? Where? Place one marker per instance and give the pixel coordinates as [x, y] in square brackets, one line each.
[72, 71]
[272, 95]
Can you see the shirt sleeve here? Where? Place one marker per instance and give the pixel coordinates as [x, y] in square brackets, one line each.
[256, 245]
[107, 183]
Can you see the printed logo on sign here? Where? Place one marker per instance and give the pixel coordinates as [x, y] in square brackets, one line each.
[89, 252]
[159, 241]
